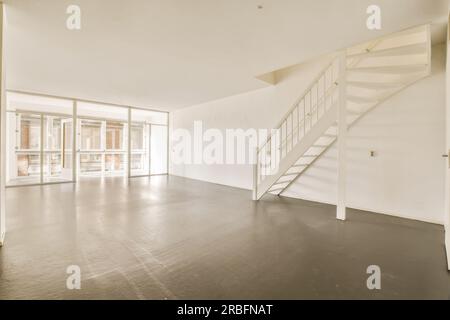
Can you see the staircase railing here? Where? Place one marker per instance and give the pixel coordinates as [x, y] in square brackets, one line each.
[299, 120]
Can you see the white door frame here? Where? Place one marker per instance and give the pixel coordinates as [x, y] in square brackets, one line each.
[2, 133]
[447, 146]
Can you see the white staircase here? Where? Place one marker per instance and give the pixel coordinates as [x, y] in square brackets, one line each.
[373, 72]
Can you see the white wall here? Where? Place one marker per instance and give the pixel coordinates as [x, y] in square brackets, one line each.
[2, 131]
[258, 109]
[406, 178]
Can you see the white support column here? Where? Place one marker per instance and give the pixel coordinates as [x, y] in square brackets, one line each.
[149, 149]
[41, 150]
[168, 144]
[129, 144]
[103, 146]
[342, 140]
[74, 141]
[255, 175]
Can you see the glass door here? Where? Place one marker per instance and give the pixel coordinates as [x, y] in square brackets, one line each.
[91, 151]
[24, 164]
[115, 153]
[140, 149]
[102, 148]
[57, 141]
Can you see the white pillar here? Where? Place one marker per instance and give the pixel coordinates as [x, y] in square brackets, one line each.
[103, 146]
[342, 140]
[41, 148]
[255, 175]
[74, 141]
[129, 144]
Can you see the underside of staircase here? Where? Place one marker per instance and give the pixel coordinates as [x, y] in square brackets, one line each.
[354, 82]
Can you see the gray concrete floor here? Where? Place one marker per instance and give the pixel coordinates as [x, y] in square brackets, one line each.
[169, 237]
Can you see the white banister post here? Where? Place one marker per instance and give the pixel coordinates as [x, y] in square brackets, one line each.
[342, 140]
[255, 175]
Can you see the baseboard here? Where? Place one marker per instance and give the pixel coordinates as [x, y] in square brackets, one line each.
[372, 210]
[212, 182]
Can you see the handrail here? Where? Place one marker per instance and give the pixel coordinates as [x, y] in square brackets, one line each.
[318, 92]
[329, 93]
[297, 102]
[305, 92]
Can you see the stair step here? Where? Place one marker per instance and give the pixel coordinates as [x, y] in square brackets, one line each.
[415, 68]
[277, 183]
[310, 156]
[289, 174]
[278, 189]
[411, 49]
[327, 135]
[374, 85]
[299, 165]
[285, 181]
[320, 145]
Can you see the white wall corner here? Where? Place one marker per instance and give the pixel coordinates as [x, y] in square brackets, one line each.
[2, 128]
[447, 246]
[269, 78]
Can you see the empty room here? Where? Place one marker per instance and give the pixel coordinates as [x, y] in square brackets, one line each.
[225, 150]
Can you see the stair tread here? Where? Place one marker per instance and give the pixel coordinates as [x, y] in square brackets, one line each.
[375, 85]
[289, 174]
[275, 190]
[279, 182]
[320, 145]
[412, 49]
[414, 68]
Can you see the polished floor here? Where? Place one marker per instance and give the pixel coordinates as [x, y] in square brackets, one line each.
[175, 238]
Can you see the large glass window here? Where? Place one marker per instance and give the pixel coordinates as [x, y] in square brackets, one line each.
[158, 149]
[91, 135]
[104, 136]
[27, 165]
[34, 147]
[140, 161]
[148, 142]
[45, 143]
[140, 143]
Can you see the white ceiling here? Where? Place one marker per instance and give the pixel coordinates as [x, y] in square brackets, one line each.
[168, 54]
